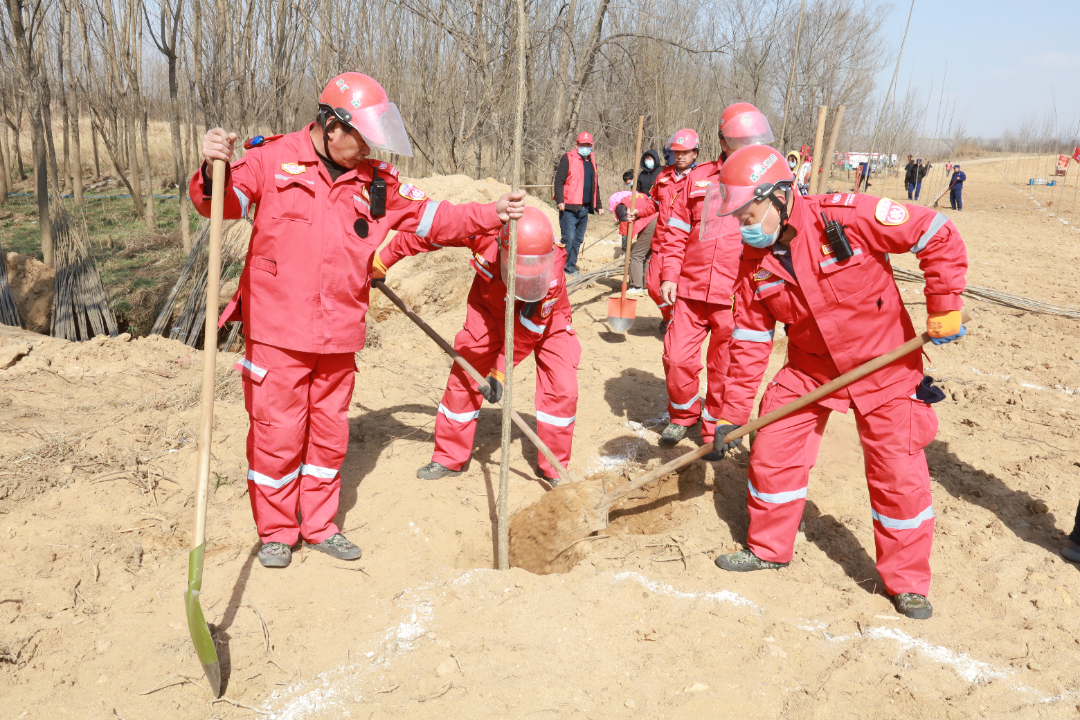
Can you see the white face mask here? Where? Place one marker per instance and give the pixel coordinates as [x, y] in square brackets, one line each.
[649, 164]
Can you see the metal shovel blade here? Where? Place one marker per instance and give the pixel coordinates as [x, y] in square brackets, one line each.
[621, 313]
[200, 631]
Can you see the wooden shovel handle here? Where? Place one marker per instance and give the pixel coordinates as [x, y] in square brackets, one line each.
[813, 396]
[209, 375]
[471, 371]
[633, 197]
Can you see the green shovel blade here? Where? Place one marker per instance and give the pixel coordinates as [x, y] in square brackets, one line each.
[200, 631]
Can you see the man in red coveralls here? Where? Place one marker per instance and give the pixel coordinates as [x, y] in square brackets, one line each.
[836, 297]
[323, 208]
[696, 280]
[542, 327]
[665, 192]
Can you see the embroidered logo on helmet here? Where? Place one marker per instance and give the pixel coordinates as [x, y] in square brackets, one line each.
[342, 85]
[356, 103]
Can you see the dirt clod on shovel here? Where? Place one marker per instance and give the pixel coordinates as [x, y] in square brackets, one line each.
[544, 537]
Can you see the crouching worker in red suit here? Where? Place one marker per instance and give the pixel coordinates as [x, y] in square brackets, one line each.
[836, 296]
[323, 209]
[542, 327]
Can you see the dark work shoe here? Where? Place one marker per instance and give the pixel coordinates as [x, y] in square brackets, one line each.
[552, 481]
[916, 607]
[664, 326]
[746, 561]
[337, 546]
[275, 555]
[434, 471]
[1071, 551]
[673, 433]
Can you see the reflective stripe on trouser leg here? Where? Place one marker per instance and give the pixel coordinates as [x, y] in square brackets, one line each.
[455, 421]
[277, 410]
[893, 437]
[332, 382]
[721, 322]
[780, 463]
[652, 284]
[557, 358]
[682, 360]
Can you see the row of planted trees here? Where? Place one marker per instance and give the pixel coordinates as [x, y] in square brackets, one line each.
[83, 82]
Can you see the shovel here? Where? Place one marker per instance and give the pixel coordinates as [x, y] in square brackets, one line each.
[620, 311]
[543, 531]
[200, 631]
[564, 474]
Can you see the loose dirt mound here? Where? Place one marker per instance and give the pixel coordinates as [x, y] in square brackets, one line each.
[548, 536]
[32, 287]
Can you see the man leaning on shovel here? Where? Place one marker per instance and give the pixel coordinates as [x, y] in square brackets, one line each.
[324, 207]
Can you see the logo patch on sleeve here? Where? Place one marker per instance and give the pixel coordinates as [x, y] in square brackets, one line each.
[293, 168]
[411, 192]
[545, 309]
[890, 213]
[841, 199]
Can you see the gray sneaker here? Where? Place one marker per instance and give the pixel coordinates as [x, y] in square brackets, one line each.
[337, 546]
[914, 606]
[434, 471]
[746, 561]
[673, 433]
[275, 555]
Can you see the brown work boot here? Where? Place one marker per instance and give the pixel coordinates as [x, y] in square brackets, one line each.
[746, 561]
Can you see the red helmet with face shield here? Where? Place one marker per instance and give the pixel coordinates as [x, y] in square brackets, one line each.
[535, 255]
[742, 124]
[751, 173]
[359, 101]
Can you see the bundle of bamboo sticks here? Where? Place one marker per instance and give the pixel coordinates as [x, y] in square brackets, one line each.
[184, 312]
[998, 297]
[9, 313]
[80, 309]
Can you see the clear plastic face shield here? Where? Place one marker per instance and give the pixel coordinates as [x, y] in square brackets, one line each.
[534, 274]
[382, 128]
[726, 207]
[748, 128]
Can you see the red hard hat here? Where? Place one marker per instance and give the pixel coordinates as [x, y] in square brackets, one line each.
[742, 124]
[534, 236]
[584, 138]
[751, 173]
[685, 139]
[358, 100]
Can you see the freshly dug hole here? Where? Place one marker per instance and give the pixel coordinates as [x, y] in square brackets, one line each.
[542, 535]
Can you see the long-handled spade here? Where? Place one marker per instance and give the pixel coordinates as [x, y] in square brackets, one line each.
[564, 474]
[200, 631]
[620, 311]
[541, 533]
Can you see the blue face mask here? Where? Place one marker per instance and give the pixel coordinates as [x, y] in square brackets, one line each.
[649, 164]
[755, 237]
[584, 151]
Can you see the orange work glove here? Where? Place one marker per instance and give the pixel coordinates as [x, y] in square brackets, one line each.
[943, 324]
[378, 269]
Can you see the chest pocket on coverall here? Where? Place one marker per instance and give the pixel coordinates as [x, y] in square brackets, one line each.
[295, 197]
[841, 276]
[773, 293]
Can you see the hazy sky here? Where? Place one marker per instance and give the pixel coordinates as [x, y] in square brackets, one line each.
[1006, 60]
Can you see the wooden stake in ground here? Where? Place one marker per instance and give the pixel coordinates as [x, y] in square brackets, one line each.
[818, 136]
[620, 311]
[826, 161]
[511, 300]
[200, 631]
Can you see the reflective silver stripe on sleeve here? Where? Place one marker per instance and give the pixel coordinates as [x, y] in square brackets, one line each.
[460, 417]
[937, 224]
[683, 406]
[253, 369]
[678, 224]
[319, 472]
[267, 481]
[766, 286]
[429, 217]
[554, 419]
[705, 414]
[538, 329]
[777, 498]
[830, 261]
[911, 524]
[752, 335]
[244, 202]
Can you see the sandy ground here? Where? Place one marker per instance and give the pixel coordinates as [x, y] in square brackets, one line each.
[96, 505]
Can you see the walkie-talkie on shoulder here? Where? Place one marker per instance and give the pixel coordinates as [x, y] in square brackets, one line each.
[378, 195]
[837, 239]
